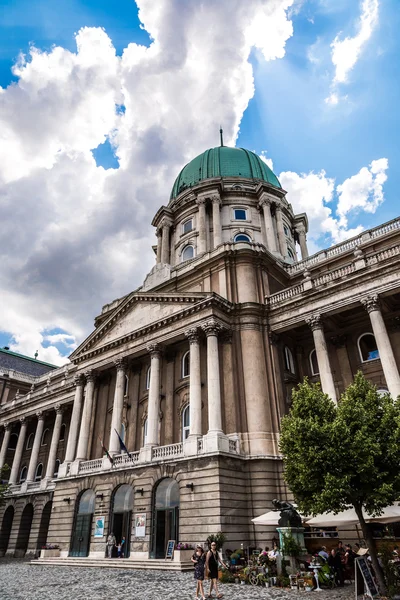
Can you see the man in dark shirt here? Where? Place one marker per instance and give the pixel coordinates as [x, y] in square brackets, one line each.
[335, 562]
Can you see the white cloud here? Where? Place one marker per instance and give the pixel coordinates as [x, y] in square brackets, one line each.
[346, 52]
[75, 235]
[266, 159]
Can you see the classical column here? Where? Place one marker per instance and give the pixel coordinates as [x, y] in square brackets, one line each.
[169, 399]
[118, 406]
[280, 231]
[339, 341]
[201, 202]
[228, 383]
[388, 361]
[134, 402]
[75, 419]
[36, 447]
[166, 226]
[4, 445]
[325, 371]
[55, 438]
[83, 441]
[18, 452]
[195, 382]
[211, 329]
[265, 204]
[159, 238]
[153, 414]
[301, 232]
[216, 214]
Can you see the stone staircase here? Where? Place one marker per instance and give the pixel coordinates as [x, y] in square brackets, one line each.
[114, 563]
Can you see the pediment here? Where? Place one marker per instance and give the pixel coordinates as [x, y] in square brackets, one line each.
[137, 312]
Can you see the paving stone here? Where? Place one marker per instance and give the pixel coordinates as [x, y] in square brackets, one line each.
[19, 580]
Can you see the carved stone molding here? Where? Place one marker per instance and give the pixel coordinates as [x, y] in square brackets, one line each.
[211, 327]
[314, 322]
[90, 375]
[215, 199]
[6, 426]
[154, 349]
[78, 379]
[121, 364]
[201, 200]
[265, 201]
[23, 420]
[371, 303]
[193, 335]
[59, 409]
[40, 415]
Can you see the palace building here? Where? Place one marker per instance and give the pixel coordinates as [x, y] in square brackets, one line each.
[193, 371]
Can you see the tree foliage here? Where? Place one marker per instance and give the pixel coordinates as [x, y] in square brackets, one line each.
[337, 457]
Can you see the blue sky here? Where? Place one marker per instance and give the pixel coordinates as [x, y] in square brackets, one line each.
[66, 271]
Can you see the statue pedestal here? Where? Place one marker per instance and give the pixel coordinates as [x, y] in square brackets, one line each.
[297, 533]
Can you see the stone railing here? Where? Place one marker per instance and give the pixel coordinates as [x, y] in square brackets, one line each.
[32, 486]
[332, 275]
[17, 375]
[123, 460]
[170, 451]
[87, 466]
[383, 255]
[343, 247]
[286, 294]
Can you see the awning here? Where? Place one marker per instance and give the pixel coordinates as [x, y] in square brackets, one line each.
[271, 518]
[390, 514]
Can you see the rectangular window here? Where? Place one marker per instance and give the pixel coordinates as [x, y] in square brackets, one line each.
[187, 226]
[240, 214]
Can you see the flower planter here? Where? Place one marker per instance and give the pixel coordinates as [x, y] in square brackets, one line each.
[183, 555]
[50, 553]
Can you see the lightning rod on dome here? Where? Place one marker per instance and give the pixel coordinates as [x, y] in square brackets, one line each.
[221, 135]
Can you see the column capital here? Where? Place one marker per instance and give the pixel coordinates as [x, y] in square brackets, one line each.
[300, 229]
[79, 379]
[58, 409]
[154, 349]
[90, 375]
[166, 223]
[215, 199]
[23, 421]
[121, 364]
[314, 322]
[6, 426]
[193, 335]
[264, 201]
[371, 303]
[211, 327]
[201, 200]
[40, 415]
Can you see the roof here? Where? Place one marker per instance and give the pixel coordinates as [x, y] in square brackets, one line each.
[223, 161]
[23, 364]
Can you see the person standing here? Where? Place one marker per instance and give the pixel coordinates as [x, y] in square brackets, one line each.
[111, 542]
[335, 562]
[199, 560]
[212, 560]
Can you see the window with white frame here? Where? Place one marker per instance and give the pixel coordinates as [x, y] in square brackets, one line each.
[187, 226]
[145, 424]
[288, 359]
[29, 442]
[185, 423]
[24, 472]
[240, 214]
[367, 347]
[187, 253]
[186, 364]
[148, 373]
[39, 471]
[45, 437]
[314, 363]
[242, 237]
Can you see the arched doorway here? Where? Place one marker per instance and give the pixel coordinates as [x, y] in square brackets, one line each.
[165, 516]
[84, 509]
[6, 526]
[121, 515]
[44, 526]
[24, 531]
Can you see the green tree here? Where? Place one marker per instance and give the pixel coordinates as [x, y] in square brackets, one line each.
[346, 456]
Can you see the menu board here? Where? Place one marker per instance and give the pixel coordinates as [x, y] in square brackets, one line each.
[362, 565]
[170, 549]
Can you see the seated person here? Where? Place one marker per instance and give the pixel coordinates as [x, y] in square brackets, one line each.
[323, 553]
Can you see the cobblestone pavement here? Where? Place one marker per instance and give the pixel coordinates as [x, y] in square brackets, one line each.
[19, 580]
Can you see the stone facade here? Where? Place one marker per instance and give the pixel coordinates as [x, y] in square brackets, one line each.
[193, 371]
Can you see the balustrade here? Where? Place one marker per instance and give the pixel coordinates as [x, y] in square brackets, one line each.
[172, 450]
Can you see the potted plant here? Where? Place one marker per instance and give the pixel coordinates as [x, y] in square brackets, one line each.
[50, 551]
[183, 552]
[219, 538]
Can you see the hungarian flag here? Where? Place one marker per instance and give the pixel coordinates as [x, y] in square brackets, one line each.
[110, 458]
[122, 446]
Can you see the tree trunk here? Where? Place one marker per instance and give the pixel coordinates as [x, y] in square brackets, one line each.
[372, 550]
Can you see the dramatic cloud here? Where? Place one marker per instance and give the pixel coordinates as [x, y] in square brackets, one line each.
[75, 235]
[347, 51]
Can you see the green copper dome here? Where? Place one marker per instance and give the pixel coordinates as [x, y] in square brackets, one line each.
[223, 162]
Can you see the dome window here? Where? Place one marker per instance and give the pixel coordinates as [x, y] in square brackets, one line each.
[242, 237]
[187, 226]
[187, 253]
[286, 230]
[240, 214]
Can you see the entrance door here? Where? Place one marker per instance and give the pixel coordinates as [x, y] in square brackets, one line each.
[80, 539]
[166, 516]
[121, 517]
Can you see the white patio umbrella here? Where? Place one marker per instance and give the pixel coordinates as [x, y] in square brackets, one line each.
[271, 518]
[390, 514]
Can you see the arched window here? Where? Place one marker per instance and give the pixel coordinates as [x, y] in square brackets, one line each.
[314, 363]
[382, 392]
[187, 226]
[291, 255]
[56, 467]
[148, 372]
[39, 471]
[62, 432]
[24, 472]
[12, 444]
[145, 432]
[45, 437]
[288, 359]
[186, 364]
[240, 214]
[126, 388]
[242, 237]
[86, 503]
[367, 347]
[185, 423]
[29, 442]
[286, 230]
[187, 253]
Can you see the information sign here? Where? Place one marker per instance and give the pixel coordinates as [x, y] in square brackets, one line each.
[170, 549]
[368, 580]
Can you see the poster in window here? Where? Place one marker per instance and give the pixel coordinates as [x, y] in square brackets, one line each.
[140, 524]
[99, 527]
